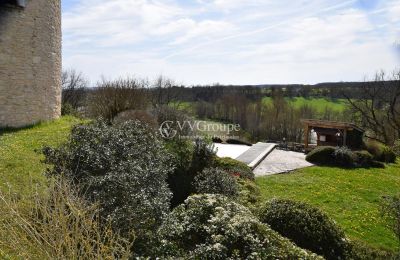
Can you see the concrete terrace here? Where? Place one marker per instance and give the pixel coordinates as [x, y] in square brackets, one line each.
[263, 158]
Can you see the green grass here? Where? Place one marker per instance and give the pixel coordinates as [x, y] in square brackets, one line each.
[20, 163]
[319, 104]
[351, 197]
[183, 106]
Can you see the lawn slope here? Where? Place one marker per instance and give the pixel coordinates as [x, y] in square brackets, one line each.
[351, 197]
[20, 163]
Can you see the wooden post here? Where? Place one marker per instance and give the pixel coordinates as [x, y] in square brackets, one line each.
[318, 140]
[306, 135]
[345, 137]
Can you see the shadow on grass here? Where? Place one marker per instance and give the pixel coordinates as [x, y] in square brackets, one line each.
[9, 130]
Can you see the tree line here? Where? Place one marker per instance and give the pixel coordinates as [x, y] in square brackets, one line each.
[372, 104]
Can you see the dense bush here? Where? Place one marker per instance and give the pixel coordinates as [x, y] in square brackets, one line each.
[190, 160]
[343, 157]
[321, 155]
[391, 208]
[212, 227]
[361, 251]
[123, 167]
[180, 179]
[306, 226]
[68, 109]
[363, 158]
[380, 151]
[389, 155]
[217, 140]
[234, 167]
[216, 181]
[249, 193]
[396, 148]
[111, 97]
[236, 141]
[204, 154]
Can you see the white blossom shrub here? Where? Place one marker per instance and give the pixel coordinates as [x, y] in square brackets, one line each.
[211, 226]
[123, 168]
[307, 226]
[216, 181]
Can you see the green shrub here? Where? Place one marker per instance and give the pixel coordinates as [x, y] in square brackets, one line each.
[343, 157]
[236, 141]
[391, 209]
[213, 227]
[217, 140]
[180, 179]
[363, 158]
[190, 160]
[360, 251]
[124, 168]
[306, 226]
[321, 155]
[68, 109]
[388, 155]
[203, 156]
[234, 167]
[380, 151]
[377, 164]
[396, 148]
[216, 181]
[249, 193]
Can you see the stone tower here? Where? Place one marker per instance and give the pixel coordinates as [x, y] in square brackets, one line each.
[30, 61]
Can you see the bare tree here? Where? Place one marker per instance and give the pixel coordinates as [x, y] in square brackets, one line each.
[379, 106]
[110, 98]
[74, 86]
[163, 92]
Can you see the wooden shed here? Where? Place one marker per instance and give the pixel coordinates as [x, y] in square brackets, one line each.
[333, 133]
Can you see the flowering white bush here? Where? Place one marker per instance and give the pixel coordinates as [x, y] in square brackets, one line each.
[213, 227]
[124, 168]
[216, 181]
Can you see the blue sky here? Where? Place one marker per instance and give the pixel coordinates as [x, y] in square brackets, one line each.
[232, 41]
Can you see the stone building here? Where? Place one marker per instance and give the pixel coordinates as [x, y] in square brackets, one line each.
[30, 61]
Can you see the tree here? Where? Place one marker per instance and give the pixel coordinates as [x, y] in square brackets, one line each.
[163, 92]
[112, 97]
[73, 85]
[379, 106]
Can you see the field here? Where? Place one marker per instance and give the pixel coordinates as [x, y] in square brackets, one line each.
[319, 104]
[20, 158]
[351, 197]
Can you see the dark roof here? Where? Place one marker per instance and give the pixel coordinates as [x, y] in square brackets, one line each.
[331, 124]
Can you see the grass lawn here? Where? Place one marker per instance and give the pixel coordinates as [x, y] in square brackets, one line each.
[20, 164]
[351, 197]
[319, 104]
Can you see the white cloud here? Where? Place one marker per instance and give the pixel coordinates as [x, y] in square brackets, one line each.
[232, 41]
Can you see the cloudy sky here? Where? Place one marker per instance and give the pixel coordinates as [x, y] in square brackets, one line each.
[232, 41]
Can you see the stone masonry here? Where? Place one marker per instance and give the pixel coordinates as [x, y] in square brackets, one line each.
[30, 61]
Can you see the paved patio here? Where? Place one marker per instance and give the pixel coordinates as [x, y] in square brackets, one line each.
[279, 161]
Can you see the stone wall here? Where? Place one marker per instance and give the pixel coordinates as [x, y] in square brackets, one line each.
[30, 62]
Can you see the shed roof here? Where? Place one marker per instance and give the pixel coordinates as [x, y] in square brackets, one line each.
[331, 124]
